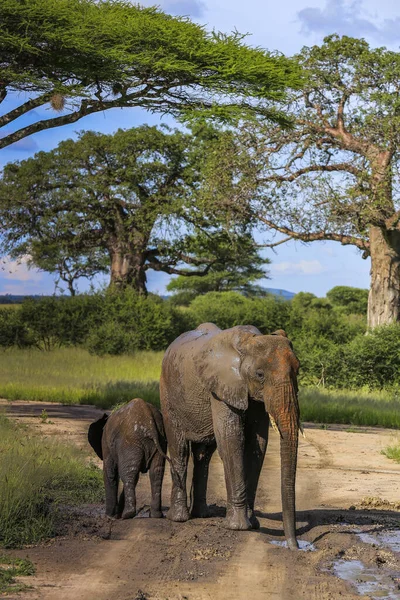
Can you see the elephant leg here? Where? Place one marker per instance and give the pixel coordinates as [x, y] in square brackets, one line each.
[129, 468]
[201, 460]
[256, 440]
[110, 475]
[156, 473]
[229, 432]
[179, 455]
[121, 502]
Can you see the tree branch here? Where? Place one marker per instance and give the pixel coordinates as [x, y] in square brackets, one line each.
[24, 108]
[158, 265]
[345, 240]
[313, 169]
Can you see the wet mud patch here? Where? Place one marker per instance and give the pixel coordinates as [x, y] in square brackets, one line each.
[368, 580]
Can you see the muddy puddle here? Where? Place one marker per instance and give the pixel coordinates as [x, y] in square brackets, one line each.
[368, 580]
[303, 545]
[388, 539]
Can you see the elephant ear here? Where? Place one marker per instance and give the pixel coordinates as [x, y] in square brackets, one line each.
[219, 366]
[95, 435]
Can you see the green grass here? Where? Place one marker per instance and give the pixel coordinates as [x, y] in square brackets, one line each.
[73, 376]
[373, 409]
[37, 474]
[393, 451]
[10, 568]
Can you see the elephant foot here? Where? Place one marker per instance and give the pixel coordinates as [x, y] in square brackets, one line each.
[237, 519]
[128, 513]
[178, 513]
[200, 511]
[156, 514]
[255, 523]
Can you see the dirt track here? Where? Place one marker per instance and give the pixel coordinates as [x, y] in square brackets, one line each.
[199, 560]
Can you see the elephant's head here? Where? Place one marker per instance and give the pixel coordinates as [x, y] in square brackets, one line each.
[95, 435]
[239, 364]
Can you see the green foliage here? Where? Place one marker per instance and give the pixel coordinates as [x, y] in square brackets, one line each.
[73, 376]
[129, 199]
[227, 309]
[128, 321]
[36, 476]
[393, 451]
[13, 332]
[237, 265]
[99, 55]
[12, 568]
[359, 407]
[58, 321]
[349, 300]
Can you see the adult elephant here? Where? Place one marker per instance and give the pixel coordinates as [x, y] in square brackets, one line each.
[221, 388]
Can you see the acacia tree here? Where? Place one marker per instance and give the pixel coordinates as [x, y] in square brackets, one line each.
[130, 196]
[335, 174]
[238, 268]
[84, 56]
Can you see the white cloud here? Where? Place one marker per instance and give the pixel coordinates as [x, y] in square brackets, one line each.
[303, 267]
[348, 18]
[18, 270]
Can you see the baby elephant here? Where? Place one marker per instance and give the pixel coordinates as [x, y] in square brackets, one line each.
[130, 441]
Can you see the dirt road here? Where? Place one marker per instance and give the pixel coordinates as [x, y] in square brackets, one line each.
[199, 560]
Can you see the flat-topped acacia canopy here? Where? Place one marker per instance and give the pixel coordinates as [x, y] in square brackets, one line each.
[85, 56]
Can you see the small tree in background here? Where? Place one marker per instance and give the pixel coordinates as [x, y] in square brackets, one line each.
[79, 57]
[237, 267]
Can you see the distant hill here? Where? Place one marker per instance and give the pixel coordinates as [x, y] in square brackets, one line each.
[281, 293]
[13, 299]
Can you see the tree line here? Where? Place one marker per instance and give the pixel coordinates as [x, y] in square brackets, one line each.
[306, 147]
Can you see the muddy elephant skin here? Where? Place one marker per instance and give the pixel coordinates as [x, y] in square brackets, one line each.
[130, 441]
[221, 389]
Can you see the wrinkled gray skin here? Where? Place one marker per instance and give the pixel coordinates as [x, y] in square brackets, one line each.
[218, 389]
[132, 441]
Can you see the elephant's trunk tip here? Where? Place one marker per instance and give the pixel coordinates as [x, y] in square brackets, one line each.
[293, 544]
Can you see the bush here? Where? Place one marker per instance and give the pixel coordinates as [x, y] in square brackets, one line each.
[37, 474]
[129, 321]
[348, 299]
[371, 360]
[13, 332]
[59, 321]
[227, 309]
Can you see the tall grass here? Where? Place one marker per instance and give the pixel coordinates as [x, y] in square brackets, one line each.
[36, 475]
[393, 451]
[73, 376]
[373, 409]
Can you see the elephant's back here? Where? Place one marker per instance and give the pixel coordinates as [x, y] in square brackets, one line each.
[183, 396]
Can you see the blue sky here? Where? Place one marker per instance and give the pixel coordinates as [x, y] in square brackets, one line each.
[285, 26]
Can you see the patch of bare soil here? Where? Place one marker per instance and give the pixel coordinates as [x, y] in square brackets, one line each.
[97, 559]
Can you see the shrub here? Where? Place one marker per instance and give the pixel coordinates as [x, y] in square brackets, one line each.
[59, 321]
[227, 309]
[13, 331]
[350, 300]
[129, 321]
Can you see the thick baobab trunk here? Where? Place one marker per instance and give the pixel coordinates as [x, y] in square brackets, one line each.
[384, 295]
[127, 266]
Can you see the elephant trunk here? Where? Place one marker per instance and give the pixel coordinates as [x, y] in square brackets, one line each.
[287, 420]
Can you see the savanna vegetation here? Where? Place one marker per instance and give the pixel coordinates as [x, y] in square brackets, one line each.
[41, 474]
[107, 347]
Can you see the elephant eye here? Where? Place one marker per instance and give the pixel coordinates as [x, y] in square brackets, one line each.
[260, 374]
